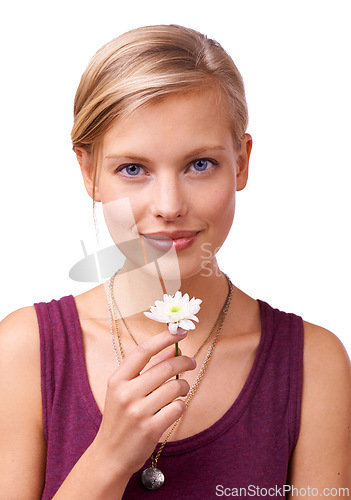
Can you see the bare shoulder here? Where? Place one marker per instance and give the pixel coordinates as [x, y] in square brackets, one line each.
[23, 316]
[322, 456]
[20, 355]
[324, 353]
[327, 374]
[22, 447]
[19, 337]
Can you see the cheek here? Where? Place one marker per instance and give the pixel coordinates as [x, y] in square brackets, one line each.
[121, 224]
[221, 207]
[220, 214]
[119, 219]
[120, 207]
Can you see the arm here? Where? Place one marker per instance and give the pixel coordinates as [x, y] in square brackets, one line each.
[137, 394]
[322, 456]
[22, 443]
[143, 398]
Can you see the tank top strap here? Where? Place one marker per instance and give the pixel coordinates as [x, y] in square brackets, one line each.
[283, 372]
[63, 369]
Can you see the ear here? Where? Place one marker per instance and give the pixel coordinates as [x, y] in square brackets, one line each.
[86, 166]
[243, 162]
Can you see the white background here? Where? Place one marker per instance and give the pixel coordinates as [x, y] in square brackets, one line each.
[290, 243]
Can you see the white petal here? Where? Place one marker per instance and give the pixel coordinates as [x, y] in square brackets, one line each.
[194, 318]
[149, 315]
[154, 309]
[194, 307]
[185, 299]
[196, 301]
[173, 327]
[187, 324]
[155, 318]
[159, 303]
[163, 308]
[178, 296]
[158, 312]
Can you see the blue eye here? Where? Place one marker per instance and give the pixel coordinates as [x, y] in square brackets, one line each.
[131, 169]
[202, 164]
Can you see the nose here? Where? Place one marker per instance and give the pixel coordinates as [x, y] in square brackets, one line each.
[168, 198]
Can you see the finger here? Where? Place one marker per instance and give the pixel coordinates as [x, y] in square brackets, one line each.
[162, 357]
[153, 378]
[167, 393]
[168, 415]
[134, 363]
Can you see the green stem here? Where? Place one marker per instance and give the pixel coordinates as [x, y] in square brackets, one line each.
[177, 354]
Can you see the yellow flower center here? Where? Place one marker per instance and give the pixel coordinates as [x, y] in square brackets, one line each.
[175, 309]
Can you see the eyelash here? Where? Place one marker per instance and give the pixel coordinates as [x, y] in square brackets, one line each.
[196, 172]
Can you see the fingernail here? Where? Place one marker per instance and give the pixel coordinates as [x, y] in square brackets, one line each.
[181, 332]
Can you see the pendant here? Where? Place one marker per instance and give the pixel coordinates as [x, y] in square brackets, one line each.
[152, 478]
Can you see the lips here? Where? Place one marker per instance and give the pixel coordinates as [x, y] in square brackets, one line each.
[165, 240]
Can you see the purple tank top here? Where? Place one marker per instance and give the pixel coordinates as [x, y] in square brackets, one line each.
[249, 447]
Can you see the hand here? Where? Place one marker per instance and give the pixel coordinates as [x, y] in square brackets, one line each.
[141, 402]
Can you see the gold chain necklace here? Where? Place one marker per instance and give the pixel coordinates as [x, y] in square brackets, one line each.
[115, 307]
[153, 478]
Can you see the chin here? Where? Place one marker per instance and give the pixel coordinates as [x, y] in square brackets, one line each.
[186, 270]
[173, 267]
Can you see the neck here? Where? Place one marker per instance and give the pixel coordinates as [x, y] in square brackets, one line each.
[136, 289]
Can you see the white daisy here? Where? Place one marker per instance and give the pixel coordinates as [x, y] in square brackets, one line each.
[175, 310]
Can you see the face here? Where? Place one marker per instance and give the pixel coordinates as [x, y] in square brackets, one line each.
[167, 177]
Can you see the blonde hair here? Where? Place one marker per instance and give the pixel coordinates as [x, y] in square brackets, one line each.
[150, 63]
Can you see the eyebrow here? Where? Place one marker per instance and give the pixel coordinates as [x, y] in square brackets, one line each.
[133, 157]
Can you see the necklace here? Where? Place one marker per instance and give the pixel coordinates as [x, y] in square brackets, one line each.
[152, 478]
[111, 298]
[110, 317]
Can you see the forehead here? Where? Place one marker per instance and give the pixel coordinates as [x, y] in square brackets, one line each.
[182, 120]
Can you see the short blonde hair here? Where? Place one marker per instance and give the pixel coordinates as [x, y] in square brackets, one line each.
[146, 64]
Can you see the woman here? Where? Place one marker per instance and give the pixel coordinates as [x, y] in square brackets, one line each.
[160, 136]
